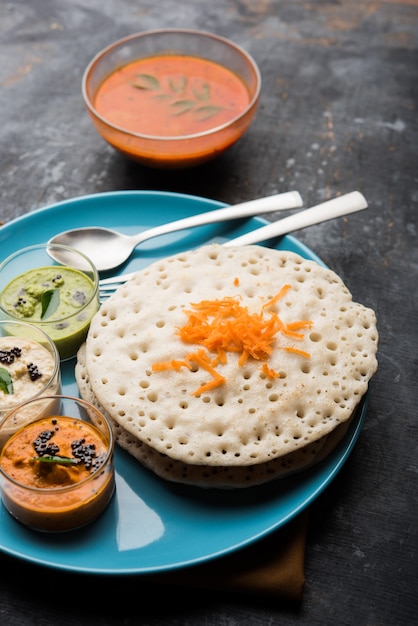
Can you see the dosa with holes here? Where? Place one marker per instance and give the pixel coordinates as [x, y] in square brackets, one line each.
[229, 366]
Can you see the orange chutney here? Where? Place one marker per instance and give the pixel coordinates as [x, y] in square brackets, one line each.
[69, 487]
[171, 96]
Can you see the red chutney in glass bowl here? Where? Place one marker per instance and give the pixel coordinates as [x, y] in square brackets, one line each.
[56, 472]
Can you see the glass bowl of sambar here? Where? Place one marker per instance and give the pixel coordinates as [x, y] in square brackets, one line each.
[172, 98]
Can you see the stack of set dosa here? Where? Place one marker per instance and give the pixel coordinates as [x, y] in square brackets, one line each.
[229, 366]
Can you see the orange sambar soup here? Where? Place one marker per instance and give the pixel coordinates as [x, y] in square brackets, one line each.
[171, 95]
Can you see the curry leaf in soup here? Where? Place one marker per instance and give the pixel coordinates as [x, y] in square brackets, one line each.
[203, 93]
[6, 383]
[162, 96]
[50, 302]
[182, 106]
[206, 112]
[178, 85]
[147, 82]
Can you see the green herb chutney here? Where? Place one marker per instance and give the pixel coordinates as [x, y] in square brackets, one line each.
[61, 300]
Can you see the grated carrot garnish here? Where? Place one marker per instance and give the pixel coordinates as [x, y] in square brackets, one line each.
[225, 326]
[269, 372]
[163, 366]
[236, 281]
[297, 351]
[201, 358]
[300, 324]
[277, 297]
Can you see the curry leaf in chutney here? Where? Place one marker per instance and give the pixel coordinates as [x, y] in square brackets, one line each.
[50, 302]
[6, 382]
[63, 460]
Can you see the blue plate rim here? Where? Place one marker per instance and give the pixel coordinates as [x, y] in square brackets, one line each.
[325, 472]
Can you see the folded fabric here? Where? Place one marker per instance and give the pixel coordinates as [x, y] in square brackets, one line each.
[272, 566]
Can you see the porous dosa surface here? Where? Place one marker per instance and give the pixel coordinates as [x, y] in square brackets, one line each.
[251, 419]
[203, 476]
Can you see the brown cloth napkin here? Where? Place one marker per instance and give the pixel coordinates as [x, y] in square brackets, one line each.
[272, 567]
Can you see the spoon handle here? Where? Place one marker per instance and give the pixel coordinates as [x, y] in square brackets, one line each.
[278, 202]
[337, 207]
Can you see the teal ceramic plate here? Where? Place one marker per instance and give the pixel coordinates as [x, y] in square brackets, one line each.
[152, 525]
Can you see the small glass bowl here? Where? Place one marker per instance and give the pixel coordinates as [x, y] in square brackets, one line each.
[28, 281]
[158, 150]
[29, 365]
[74, 482]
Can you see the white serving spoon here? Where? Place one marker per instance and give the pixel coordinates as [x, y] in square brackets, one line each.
[108, 249]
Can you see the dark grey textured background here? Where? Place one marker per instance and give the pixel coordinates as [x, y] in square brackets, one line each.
[338, 112]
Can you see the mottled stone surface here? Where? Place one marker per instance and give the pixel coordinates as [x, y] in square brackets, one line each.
[338, 112]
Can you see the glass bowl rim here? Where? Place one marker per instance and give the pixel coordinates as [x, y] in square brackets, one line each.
[161, 31]
[75, 486]
[56, 373]
[95, 280]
